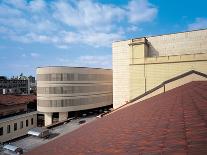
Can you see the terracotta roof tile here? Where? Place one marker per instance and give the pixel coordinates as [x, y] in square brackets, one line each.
[8, 100]
[172, 123]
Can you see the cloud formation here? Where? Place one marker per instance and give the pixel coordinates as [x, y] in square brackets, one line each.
[65, 22]
[103, 61]
[200, 23]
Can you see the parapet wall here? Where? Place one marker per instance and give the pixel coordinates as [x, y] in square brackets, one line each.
[171, 59]
[178, 43]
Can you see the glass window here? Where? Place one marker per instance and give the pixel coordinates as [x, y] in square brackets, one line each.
[15, 126]
[8, 129]
[31, 121]
[1, 131]
[21, 125]
[27, 123]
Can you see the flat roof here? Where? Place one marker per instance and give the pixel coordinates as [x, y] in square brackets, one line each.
[17, 116]
[173, 122]
[74, 67]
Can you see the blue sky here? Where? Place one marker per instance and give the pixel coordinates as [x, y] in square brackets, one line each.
[37, 33]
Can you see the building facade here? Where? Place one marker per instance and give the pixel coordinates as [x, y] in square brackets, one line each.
[17, 126]
[66, 89]
[14, 86]
[16, 104]
[141, 64]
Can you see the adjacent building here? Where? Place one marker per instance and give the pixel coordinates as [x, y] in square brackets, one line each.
[17, 115]
[65, 89]
[16, 104]
[14, 86]
[141, 64]
[17, 126]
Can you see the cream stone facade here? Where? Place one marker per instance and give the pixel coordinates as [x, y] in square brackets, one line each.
[66, 89]
[143, 63]
[17, 126]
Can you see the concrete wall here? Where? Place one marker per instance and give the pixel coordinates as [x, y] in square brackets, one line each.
[172, 85]
[20, 131]
[154, 71]
[121, 62]
[178, 43]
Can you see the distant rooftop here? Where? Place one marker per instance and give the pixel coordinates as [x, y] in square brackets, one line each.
[9, 100]
[174, 122]
[74, 67]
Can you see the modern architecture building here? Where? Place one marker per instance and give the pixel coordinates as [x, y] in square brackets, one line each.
[141, 64]
[66, 89]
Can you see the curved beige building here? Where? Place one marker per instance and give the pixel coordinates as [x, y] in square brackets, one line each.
[65, 89]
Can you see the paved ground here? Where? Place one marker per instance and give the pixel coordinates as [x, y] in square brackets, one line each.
[31, 142]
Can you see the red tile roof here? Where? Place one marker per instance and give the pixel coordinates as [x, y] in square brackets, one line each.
[8, 100]
[174, 122]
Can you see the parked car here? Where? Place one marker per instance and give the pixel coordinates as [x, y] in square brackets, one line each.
[14, 149]
[82, 121]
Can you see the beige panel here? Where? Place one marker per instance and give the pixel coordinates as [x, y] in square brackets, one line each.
[179, 43]
[73, 108]
[180, 82]
[158, 73]
[63, 116]
[120, 51]
[48, 118]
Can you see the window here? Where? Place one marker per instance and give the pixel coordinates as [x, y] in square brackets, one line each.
[15, 126]
[31, 121]
[27, 122]
[1, 131]
[8, 129]
[21, 125]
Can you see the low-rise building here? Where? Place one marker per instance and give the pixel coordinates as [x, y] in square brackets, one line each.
[16, 104]
[17, 126]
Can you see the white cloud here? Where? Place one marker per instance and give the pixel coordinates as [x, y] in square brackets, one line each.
[96, 60]
[34, 55]
[19, 4]
[65, 22]
[133, 28]
[86, 14]
[141, 11]
[100, 39]
[37, 5]
[6, 11]
[199, 23]
[103, 61]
